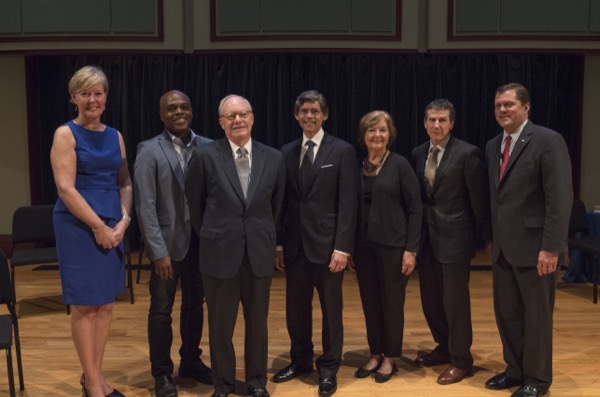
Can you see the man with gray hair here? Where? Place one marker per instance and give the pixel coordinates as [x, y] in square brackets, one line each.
[235, 189]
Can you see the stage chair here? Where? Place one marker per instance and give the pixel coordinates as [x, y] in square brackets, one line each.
[32, 238]
[580, 239]
[8, 323]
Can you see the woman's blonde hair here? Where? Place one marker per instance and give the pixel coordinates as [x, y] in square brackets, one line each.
[86, 77]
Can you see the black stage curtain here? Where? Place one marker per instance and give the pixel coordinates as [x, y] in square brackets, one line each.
[352, 83]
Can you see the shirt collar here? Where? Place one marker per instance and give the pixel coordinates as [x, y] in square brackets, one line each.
[247, 146]
[515, 135]
[175, 139]
[317, 139]
[442, 145]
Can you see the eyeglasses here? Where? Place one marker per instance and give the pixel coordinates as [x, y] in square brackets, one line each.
[314, 112]
[233, 116]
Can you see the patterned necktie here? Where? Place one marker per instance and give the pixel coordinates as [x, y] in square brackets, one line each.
[431, 167]
[242, 163]
[505, 156]
[307, 162]
[184, 154]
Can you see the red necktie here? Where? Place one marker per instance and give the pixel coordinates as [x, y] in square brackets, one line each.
[505, 156]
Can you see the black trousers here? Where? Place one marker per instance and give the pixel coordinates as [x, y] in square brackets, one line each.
[382, 289]
[524, 307]
[223, 298]
[162, 296]
[447, 306]
[302, 277]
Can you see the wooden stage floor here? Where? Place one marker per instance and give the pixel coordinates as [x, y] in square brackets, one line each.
[51, 366]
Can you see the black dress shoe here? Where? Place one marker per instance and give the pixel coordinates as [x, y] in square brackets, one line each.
[327, 386]
[219, 394]
[291, 371]
[381, 378]
[164, 386]
[433, 358]
[502, 381]
[259, 392]
[529, 391]
[198, 371]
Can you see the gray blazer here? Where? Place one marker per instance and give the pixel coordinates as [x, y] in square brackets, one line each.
[531, 206]
[160, 202]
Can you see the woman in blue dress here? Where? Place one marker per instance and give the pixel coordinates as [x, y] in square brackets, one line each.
[90, 219]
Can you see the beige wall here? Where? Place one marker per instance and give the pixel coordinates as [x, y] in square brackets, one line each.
[14, 160]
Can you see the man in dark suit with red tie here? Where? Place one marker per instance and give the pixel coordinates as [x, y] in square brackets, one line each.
[455, 198]
[531, 197]
[317, 227]
[235, 188]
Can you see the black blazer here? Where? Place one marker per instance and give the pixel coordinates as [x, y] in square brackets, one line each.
[226, 223]
[323, 216]
[456, 214]
[396, 213]
[531, 206]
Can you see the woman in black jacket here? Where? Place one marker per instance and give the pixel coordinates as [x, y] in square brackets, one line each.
[387, 240]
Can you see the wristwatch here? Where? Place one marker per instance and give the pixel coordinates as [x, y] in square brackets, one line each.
[126, 217]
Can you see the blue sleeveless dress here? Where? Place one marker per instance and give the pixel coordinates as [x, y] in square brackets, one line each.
[91, 275]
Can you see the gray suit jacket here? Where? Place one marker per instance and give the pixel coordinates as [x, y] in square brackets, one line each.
[227, 223]
[160, 202]
[531, 206]
[456, 213]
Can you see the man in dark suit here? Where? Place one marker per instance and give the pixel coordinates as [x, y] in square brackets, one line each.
[455, 197]
[160, 170]
[235, 189]
[531, 196]
[317, 227]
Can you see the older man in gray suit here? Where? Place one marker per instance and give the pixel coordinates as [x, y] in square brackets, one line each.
[531, 196]
[235, 190]
[160, 171]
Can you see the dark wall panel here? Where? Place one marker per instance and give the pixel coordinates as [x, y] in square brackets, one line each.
[10, 17]
[520, 18]
[238, 16]
[305, 16]
[477, 16]
[261, 19]
[370, 19]
[133, 16]
[66, 16]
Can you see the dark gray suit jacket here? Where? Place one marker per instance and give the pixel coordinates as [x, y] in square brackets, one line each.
[159, 193]
[531, 206]
[227, 223]
[456, 214]
[322, 217]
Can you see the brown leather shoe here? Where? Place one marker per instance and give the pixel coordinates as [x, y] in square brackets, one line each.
[452, 375]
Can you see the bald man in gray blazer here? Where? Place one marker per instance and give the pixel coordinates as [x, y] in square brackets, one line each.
[164, 218]
[531, 197]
